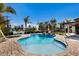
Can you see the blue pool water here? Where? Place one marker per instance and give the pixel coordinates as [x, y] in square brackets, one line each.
[41, 44]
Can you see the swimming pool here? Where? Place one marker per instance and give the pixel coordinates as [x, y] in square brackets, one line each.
[41, 44]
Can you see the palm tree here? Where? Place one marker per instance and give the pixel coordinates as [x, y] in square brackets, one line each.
[26, 20]
[4, 9]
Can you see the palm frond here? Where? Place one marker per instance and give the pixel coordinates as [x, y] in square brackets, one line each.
[1, 7]
[10, 10]
[26, 19]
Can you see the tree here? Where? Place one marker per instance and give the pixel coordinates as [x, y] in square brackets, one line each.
[53, 23]
[41, 26]
[4, 9]
[7, 28]
[22, 27]
[26, 20]
[46, 25]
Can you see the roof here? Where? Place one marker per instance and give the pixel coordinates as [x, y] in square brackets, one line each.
[69, 22]
[76, 19]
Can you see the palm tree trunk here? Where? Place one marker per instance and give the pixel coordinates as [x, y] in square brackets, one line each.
[25, 25]
[2, 34]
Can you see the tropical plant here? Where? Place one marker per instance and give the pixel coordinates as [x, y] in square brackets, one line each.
[53, 23]
[26, 20]
[45, 26]
[4, 9]
[41, 26]
[30, 30]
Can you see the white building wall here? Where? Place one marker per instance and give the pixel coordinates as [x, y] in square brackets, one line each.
[73, 29]
[33, 25]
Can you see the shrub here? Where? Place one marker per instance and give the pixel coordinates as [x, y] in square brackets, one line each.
[30, 30]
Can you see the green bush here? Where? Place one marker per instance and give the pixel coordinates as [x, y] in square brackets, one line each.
[30, 30]
[7, 31]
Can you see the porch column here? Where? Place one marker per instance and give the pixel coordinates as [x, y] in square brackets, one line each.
[73, 29]
[68, 28]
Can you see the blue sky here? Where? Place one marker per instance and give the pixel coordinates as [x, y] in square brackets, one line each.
[39, 12]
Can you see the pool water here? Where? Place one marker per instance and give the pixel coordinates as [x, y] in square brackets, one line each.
[41, 44]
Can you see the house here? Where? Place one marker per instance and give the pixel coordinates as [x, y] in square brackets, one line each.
[72, 26]
[69, 26]
[77, 25]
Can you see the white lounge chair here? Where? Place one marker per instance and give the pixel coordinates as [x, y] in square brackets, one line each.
[70, 34]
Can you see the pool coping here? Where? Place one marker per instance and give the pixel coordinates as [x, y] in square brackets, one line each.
[68, 50]
[10, 47]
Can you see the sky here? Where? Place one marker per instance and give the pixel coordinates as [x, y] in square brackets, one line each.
[39, 12]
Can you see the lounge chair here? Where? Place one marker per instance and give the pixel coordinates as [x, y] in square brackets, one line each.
[70, 34]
